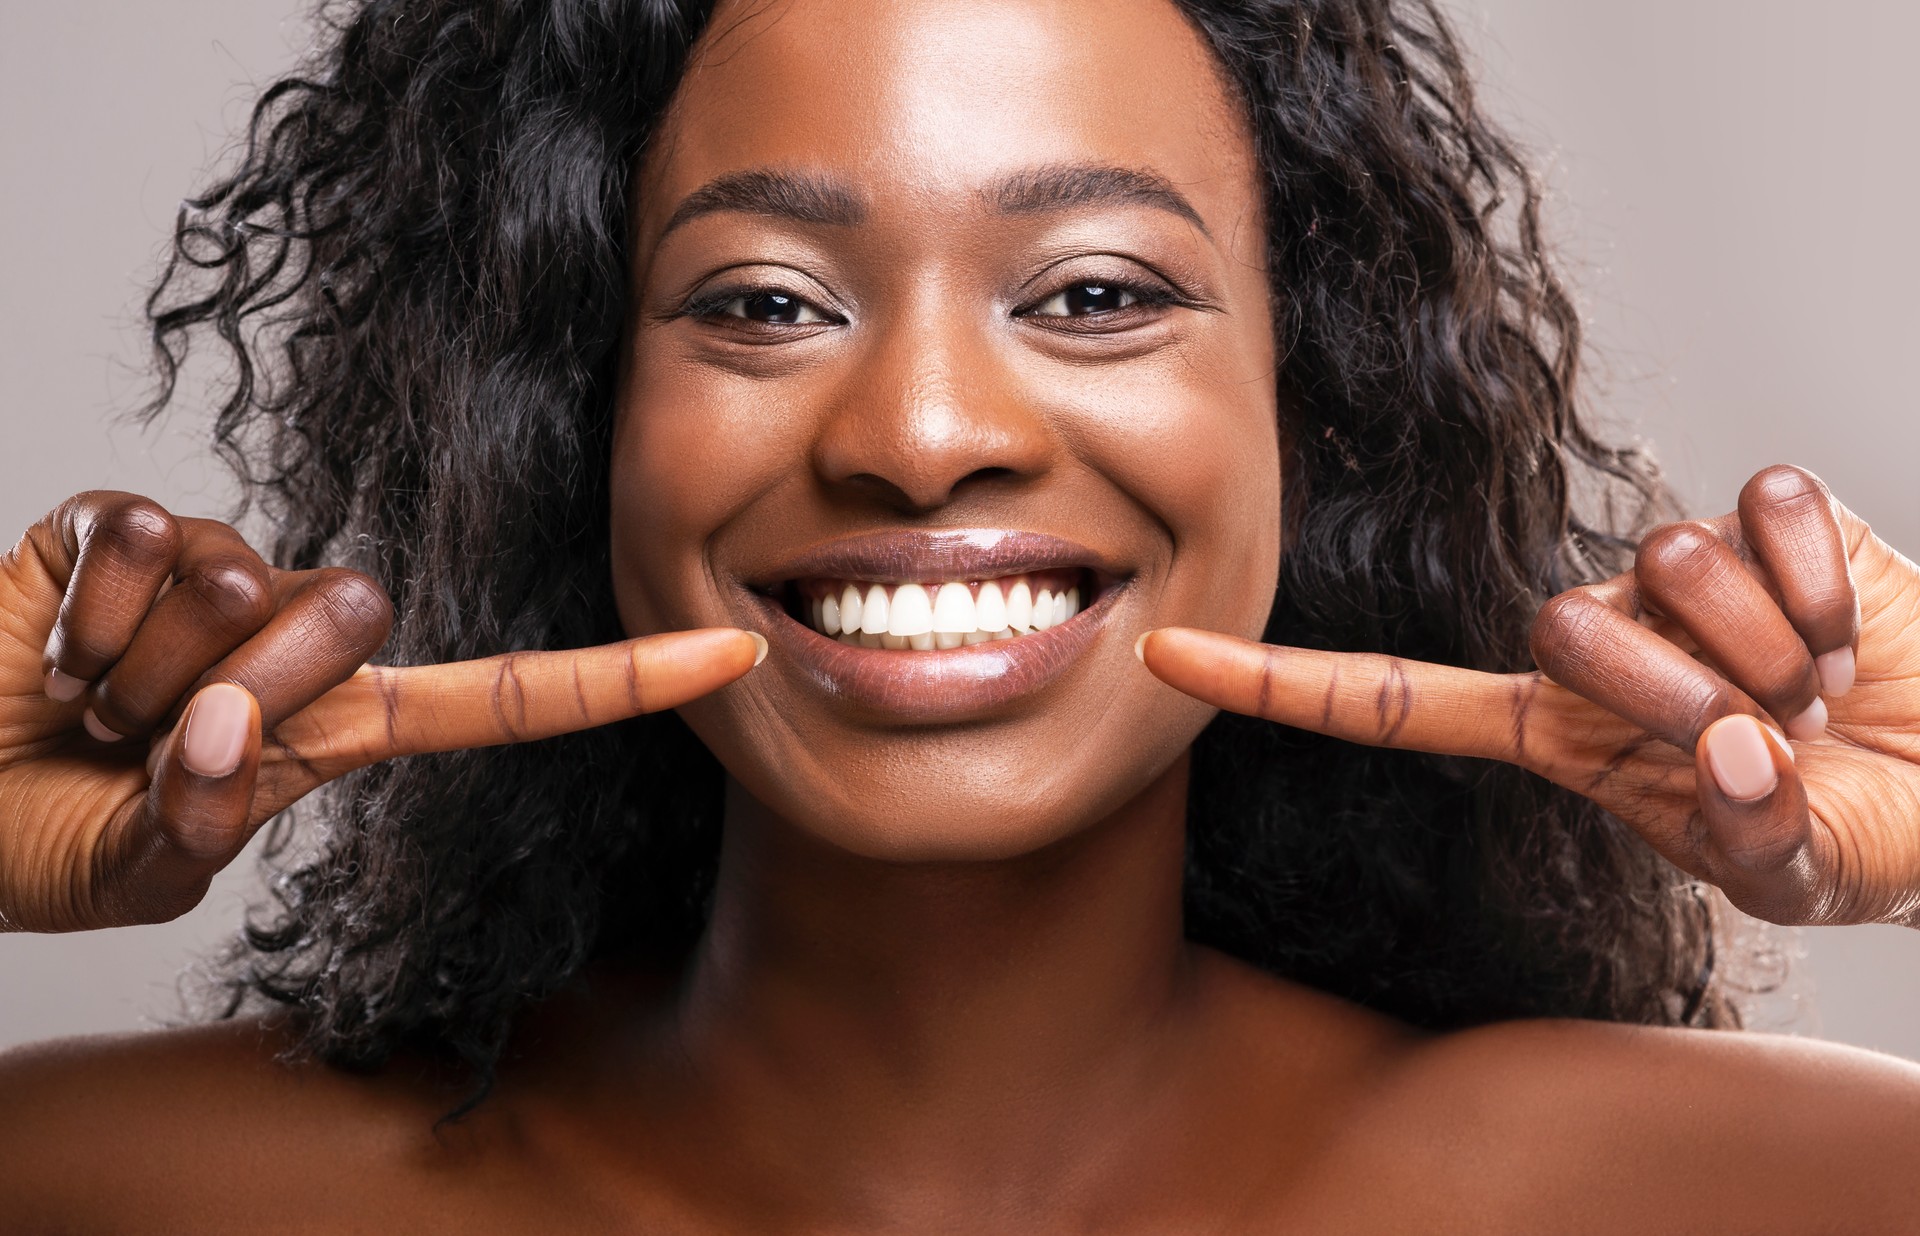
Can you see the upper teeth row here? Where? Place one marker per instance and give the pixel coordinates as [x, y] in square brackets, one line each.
[945, 616]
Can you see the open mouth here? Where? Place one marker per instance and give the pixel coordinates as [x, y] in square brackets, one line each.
[938, 615]
[940, 626]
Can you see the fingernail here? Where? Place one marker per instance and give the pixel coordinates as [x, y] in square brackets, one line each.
[1140, 647]
[1810, 724]
[759, 647]
[218, 724]
[64, 688]
[1740, 759]
[1836, 670]
[100, 732]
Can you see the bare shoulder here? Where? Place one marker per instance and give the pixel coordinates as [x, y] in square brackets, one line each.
[189, 1129]
[1565, 1126]
[1700, 1130]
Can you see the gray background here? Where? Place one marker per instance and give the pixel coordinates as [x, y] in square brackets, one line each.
[1733, 188]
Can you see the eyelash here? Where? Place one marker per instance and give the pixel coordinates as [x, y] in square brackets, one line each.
[1143, 296]
[711, 304]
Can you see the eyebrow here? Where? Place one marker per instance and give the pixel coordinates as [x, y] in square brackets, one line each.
[802, 196]
[1063, 186]
[807, 197]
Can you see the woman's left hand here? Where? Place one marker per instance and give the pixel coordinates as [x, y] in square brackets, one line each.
[1658, 697]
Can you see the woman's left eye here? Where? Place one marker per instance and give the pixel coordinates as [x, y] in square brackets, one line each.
[1086, 299]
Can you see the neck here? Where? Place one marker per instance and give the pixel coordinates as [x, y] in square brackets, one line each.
[940, 1019]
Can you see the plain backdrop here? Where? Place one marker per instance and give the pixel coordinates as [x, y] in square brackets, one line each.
[1734, 184]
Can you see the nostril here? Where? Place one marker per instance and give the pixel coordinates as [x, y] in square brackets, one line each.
[917, 499]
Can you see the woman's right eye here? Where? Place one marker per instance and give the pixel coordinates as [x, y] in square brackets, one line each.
[765, 305]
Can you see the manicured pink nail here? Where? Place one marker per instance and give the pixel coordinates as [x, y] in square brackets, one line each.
[218, 724]
[1140, 647]
[1740, 758]
[759, 647]
[1810, 724]
[100, 732]
[64, 688]
[1836, 672]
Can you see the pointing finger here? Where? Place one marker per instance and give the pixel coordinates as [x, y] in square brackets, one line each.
[381, 712]
[1366, 698]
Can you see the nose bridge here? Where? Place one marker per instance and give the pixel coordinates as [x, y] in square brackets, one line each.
[930, 408]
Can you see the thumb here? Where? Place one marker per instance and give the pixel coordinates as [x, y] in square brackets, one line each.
[1368, 698]
[195, 817]
[1758, 842]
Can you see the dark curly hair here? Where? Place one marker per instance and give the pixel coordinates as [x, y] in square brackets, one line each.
[418, 272]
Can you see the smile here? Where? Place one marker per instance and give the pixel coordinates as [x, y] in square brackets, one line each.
[938, 627]
[954, 614]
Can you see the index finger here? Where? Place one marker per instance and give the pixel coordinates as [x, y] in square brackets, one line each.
[382, 712]
[1368, 698]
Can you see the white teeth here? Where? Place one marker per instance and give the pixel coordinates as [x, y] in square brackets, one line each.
[911, 612]
[943, 616]
[1043, 610]
[990, 608]
[873, 612]
[1020, 607]
[953, 611]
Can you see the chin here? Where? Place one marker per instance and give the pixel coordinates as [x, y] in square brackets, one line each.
[913, 799]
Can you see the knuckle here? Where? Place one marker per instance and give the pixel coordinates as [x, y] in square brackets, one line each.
[1786, 497]
[1788, 678]
[1710, 701]
[1561, 628]
[356, 607]
[235, 592]
[140, 532]
[81, 644]
[1674, 551]
[1783, 486]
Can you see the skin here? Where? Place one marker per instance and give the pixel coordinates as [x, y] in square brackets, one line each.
[945, 988]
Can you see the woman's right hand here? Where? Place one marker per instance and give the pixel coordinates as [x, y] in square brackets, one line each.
[163, 692]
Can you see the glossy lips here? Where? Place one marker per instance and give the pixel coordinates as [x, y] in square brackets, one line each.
[938, 684]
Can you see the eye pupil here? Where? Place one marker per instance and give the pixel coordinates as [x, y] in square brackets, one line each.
[771, 307]
[1094, 298]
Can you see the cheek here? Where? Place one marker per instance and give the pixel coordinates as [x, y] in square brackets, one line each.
[690, 451]
[1200, 454]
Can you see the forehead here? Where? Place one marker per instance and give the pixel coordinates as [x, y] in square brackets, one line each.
[941, 97]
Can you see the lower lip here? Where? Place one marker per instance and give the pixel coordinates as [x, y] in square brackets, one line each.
[938, 685]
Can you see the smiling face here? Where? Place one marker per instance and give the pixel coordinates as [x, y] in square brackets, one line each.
[932, 293]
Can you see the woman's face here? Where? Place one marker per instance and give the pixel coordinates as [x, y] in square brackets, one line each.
[929, 294]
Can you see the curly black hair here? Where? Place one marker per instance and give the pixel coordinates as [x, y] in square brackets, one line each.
[418, 271]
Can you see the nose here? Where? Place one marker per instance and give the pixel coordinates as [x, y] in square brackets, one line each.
[927, 417]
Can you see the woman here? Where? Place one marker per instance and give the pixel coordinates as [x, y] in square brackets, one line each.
[1046, 340]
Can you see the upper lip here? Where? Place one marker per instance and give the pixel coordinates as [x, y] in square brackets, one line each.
[913, 557]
